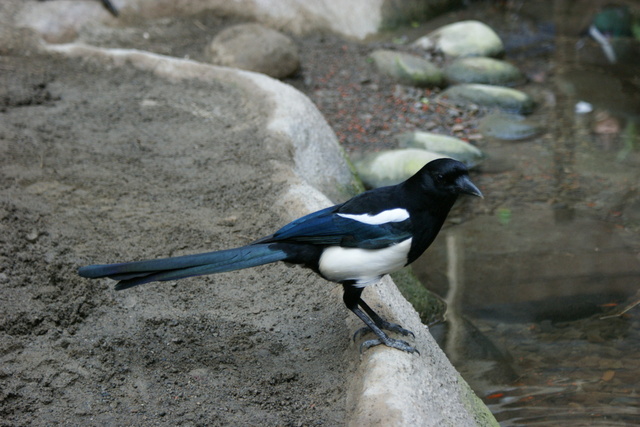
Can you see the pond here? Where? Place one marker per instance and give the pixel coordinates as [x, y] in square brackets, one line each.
[531, 281]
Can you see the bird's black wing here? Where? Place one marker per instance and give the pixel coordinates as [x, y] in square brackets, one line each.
[333, 227]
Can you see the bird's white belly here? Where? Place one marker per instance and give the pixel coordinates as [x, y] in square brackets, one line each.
[363, 265]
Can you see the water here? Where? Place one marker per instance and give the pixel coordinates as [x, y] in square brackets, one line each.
[524, 321]
[555, 247]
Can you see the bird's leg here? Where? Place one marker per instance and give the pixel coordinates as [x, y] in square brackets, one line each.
[380, 322]
[352, 300]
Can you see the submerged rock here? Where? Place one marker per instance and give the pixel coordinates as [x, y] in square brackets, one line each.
[465, 38]
[407, 69]
[509, 100]
[392, 166]
[510, 127]
[448, 146]
[255, 47]
[483, 70]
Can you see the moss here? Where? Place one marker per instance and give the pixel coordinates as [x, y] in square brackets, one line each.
[429, 306]
[476, 406]
[355, 186]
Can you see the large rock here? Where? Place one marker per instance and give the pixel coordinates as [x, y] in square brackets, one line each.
[506, 99]
[509, 127]
[407, 69]
[442, 144]
[61, 20]
[254, 47]
[483, 70]
[391, 167]
[465, 38]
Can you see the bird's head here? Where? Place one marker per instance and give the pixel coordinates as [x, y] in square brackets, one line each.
[447, 177]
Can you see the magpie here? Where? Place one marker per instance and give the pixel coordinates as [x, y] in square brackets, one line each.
[353, 243]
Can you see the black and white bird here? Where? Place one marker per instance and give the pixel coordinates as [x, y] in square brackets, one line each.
[353, 243]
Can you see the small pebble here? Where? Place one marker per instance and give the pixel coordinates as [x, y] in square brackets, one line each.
[33, 236]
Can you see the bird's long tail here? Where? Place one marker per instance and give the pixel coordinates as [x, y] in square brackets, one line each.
[136, 273]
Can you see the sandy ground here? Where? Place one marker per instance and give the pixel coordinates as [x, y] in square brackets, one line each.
[102, 165]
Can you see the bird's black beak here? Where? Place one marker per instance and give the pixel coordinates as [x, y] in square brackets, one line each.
[466, 186]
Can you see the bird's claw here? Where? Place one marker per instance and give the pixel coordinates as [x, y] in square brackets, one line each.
[392, 327]
[387, 326]
[389, 342]
[361, 332]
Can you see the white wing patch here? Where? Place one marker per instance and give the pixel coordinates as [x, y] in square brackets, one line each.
[365, 266]
[391, 215]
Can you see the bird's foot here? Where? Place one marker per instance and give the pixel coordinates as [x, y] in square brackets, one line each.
[389, 342]
[387, 326]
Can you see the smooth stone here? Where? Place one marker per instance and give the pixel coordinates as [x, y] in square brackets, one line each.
[509, 100]
[483, 70]
[391, 167]
[510, 127]
[465, 38]
[407, 69]
[448, 146]
[254, 47]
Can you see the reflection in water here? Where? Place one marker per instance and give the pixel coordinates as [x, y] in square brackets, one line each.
[524, 323]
